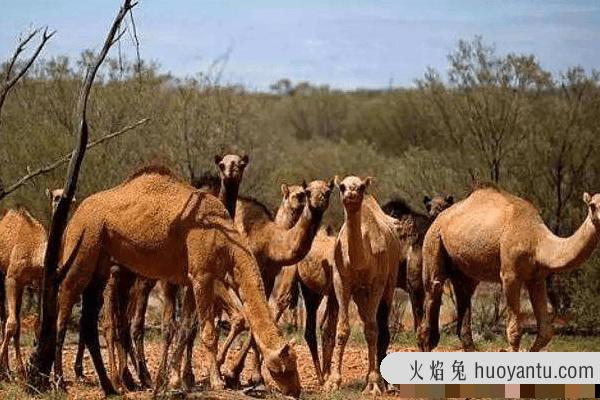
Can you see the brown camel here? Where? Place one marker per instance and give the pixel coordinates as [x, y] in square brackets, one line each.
[414, 225]
[495, 236]
[162, 228]
[137, 290]
[276, 247]
[366, 255]
[22, 248]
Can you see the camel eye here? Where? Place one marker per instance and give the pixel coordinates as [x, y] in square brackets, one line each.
[222, 166]
[307, 193]
[362, 187]
[300, 196]
[342, 188]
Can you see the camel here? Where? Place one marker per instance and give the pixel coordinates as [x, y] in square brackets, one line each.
[366, 256]
[137, 290]
[495, 236]
[415, 224]
[275, 246]
[162, 228]
[22, 248]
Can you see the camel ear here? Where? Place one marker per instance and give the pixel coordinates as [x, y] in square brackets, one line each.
[426, 200]
[331, 184]
[587, 198]
[336, 180]
[285, 190]
[218, 158]
[304, 185]
[245, 159]
[367, 181]
[74, 200]
[450, 199]
[48, 194]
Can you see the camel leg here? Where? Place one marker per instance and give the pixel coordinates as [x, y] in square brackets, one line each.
[232, 375]
[312, 301]
[78, 364]
[188, 368]
[168, 328]
[367, 305]
[434, 276]
[537, 295]
[238, 325]
[13, 293]
[139, 297]
[17, 330]
[4, 360]
[203, 292]
[328, 334]
[109, 328]
[92, 300]
[343, 332]
[512, 290]
[415, 289]
[464, 287]
[123, 280]
[66, 300]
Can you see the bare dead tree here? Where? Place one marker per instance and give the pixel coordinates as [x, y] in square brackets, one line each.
[65, 159]
[42, 359]
[11, 80]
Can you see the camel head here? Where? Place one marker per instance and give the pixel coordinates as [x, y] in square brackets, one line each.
[317, 194]
[282, 365]
[593, 203]
[231, 167]
[437, 204]
[352, 191]
[294, 196]
[54, 196]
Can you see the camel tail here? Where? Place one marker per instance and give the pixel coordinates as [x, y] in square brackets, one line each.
[60, 275]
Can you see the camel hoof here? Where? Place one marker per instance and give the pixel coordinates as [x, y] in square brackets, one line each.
[216, 383]
[332, 385]
[372, 389]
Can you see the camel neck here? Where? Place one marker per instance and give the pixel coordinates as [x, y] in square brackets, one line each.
[354, 235]
[286, 216]
[291, 245]
[562, 254]
[228, 195]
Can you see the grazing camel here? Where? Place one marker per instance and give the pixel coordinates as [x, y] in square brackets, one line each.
[22, 248]
[410, 272]
[276, 247]
[495, 236]
[162, 228]
[366, 255]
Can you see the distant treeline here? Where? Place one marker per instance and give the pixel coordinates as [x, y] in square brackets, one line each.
[489, 117]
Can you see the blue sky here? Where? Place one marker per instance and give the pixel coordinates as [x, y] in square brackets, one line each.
[343, 43]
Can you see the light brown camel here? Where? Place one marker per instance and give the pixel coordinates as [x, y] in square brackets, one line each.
[276, 247]
[161, 228]
[366, 255]
[22, 248]
[231, 168]
[495, 236]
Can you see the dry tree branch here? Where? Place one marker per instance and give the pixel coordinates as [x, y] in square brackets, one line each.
[42, 359]
[66, 158]
[9, 81]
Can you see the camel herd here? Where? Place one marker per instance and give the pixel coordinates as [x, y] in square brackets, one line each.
[227, 254]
